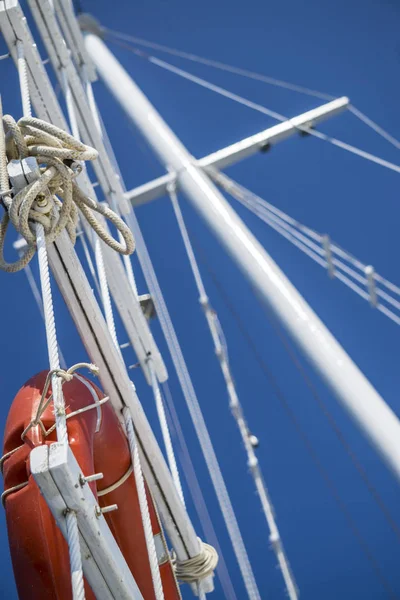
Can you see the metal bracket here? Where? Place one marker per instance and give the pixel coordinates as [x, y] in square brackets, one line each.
[21, 172]
[147, 306]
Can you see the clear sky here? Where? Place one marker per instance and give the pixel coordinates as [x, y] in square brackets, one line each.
[343, 48]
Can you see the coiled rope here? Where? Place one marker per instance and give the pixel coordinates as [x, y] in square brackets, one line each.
[199, 567]
[54, 198]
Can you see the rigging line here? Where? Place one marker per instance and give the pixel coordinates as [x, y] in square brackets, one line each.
[220, 65]
[262, 109]
[257, 77]
[262, 210]
[169, 449]
[197, 493]
[196, 414]
[374, 126]
[38, 299]
[98, 251]
[89, 260]
[109, 316]
[256, 205]
[235, 405]
[75, 558]
[44, 274]
[332, 421]
[110, 152]
[261, 204]
[296, 423]
[291, 237]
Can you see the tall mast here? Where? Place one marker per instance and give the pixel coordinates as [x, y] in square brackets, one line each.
[351, 387]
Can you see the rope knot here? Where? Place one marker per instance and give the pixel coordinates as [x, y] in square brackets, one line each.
[50, 195]
[199, 567]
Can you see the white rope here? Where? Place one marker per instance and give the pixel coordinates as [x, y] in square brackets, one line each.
[131, 276]
[89, 261]
[38, 200]
[196, 493]
[78, 588]
[374, 126]
[132, 222]
[105, 295]
[235, 405]
[39, 301]
[23, 80]
[199, 567]
[98, 252]
[144, 507]
[292, 230]
[48, 310]
[219, 65]
[255, 76]
[173, 467]
[266, 111]
[133, 446]
[195, 413]
[51, 335]
[73, 123]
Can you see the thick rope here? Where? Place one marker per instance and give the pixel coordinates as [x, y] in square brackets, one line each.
[173, 467]
[196, 414]
[63, 376]
[58, 155]
[143, 504]
[199, 567]
[51, 335]
[105, 295]
[235, 405]
[196, 493]
[78, 589]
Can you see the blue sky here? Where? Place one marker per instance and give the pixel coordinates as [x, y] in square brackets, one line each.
[343, 48]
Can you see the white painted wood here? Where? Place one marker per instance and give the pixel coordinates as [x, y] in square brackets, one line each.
[86, 312]
[57, 475]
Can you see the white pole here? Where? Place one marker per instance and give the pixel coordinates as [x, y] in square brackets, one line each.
[244, 148]
[349, 384]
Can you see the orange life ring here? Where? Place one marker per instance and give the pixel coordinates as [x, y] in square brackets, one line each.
[38, 550]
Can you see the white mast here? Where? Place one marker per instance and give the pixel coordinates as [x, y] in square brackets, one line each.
[349, 384]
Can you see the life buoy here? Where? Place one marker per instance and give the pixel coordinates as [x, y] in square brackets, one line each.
[38, 550]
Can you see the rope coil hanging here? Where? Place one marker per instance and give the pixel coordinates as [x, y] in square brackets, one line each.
[54, 198]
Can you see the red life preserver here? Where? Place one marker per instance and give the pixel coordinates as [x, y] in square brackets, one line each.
[38, 549]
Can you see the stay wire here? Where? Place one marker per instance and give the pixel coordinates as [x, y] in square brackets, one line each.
[332, 421]
[197, 493]
[219, 65]
[255, 76]
[260, 108]
[221, 353]
[279, 394]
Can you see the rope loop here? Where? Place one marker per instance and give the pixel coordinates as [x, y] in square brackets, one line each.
[44, 402]
[199, 567]
[54, 198]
